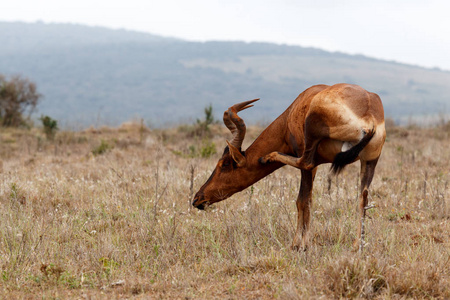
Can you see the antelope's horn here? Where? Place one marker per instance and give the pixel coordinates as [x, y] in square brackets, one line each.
[235, 124]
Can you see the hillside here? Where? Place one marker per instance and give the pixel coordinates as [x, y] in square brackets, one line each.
[91, 75]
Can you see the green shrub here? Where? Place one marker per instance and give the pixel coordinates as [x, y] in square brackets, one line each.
[208, 149]
[102, 148]
[205, 150]
[50, 127]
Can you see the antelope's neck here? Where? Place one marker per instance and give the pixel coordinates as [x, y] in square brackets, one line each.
[273, 138]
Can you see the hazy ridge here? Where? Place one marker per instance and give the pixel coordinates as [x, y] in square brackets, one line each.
[93, 75]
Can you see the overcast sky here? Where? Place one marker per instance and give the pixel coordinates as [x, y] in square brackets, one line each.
[409, 31]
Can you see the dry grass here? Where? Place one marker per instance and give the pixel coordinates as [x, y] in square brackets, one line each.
[119, 224]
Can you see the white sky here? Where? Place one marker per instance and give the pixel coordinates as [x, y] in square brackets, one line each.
[409, 31]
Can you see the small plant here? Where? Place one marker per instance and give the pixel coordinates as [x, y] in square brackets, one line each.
[102, 148]
[51, 270]
[208, 149]
[202, 127]
[192, 151]
[50, 127]
[14, 191]
[108, 266]
[205, 150]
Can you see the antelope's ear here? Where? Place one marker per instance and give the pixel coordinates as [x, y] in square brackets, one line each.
[237, 155]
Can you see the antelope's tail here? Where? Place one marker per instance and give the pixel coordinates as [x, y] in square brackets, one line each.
[347, 157]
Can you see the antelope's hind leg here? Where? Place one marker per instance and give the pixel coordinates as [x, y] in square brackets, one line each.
[296, 162]
[367, 173]
[304, 210]
[280, 157]
[315, 130]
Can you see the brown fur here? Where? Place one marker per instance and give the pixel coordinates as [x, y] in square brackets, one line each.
[311, 132]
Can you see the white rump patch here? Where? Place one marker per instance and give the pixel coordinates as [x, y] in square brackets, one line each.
[346, 146]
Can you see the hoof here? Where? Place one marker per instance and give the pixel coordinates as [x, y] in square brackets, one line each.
[268, 158]
[262, 160]
[356, 245]
[299, 248]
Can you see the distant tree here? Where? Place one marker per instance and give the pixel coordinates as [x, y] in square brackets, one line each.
[18, 99]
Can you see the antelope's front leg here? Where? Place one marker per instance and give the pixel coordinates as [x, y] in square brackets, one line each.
[304, 200]
[301, 237]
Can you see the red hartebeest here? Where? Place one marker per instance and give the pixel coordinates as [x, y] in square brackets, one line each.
[336, 124]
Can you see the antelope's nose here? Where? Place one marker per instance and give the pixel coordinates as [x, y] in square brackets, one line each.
[200, 206]
[198, 202]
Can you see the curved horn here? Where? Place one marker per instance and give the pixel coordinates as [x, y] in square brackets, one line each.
[235, 124]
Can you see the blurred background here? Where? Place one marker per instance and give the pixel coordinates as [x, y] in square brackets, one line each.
[98, 63]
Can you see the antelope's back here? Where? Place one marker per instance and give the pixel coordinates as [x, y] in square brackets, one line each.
[345, 111]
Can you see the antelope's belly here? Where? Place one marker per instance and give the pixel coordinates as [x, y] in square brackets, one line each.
[328, 148]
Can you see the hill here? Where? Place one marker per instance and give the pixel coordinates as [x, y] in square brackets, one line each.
[92, 75]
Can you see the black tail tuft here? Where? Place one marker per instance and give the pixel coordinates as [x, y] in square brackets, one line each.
[344, 158]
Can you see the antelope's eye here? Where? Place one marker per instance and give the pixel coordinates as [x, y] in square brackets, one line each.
[227, 163]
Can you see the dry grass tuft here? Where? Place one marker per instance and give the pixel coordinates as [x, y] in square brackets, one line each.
[79, 223]
[351, 277]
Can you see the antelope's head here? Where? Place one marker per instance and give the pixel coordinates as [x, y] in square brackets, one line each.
[232, 173]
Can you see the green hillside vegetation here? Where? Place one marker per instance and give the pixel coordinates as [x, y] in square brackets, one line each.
[96, 76]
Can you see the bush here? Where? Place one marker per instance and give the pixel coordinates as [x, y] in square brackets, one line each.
[205, 150]
[208, 149]
[102, 148]
[50, 127]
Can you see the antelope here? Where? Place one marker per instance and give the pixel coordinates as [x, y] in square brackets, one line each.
[337, 124]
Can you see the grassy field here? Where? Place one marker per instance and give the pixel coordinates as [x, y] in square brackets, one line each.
[106, 214]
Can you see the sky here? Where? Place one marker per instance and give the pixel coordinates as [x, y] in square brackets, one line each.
[407, 31]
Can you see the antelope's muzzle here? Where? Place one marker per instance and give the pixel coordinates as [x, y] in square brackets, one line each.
[199, 202]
